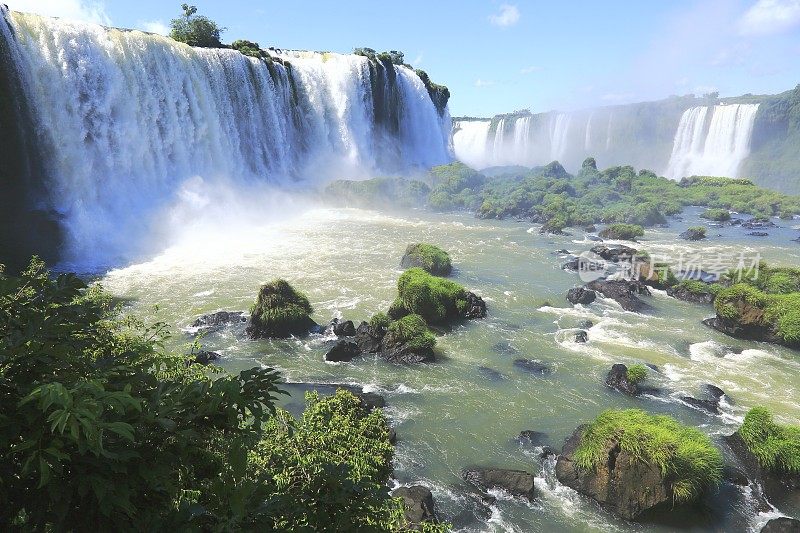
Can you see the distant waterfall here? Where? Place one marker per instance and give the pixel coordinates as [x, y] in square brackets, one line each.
[123, 118]
[470, 141]
[712, 141]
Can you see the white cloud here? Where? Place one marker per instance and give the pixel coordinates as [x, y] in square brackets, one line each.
[530, 70]
[507, 16]
[483, 83]
[770, 16]
[83, 10]
[154, 26]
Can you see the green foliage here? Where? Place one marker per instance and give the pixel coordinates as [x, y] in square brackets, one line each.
[378, 192]
[684, 455]
[439, 94]
[716, 214]
[776, 447]
[455, 186]
[196, 30]
[748, 305]
[700, 231]
[435, 299]
[249, 48]
[430, 258]
[636, 373]
[698, 287]
[412, 331]
[626, 232]
[280, 311]
[379, 321]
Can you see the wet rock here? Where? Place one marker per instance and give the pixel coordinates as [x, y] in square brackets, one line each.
[758, 234]
[743, 331]
[534, 438]
[219, 319]
[735, 475]
[581, 295]
[531, 366]
[204, 357]
[343, 328]
[709, 406]
[585, 324]
[620, 483]
[682, 293]
[516, 482]
[403, 353]
[758, 223]
[491, 374]
[370, 400]
[693, 234]
[623, 292]
[418, 504]
[712, 391]
[615, 253]
[368, 338]
[546, 452]
[572, 265]
[343, 350]
[784, 524]
[617, 378]
[594, 238]
[392, 436]
[581, 336]
[475, 308]
[561, 252]
[780, 488]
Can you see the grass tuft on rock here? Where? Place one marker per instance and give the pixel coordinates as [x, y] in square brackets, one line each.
[412, 331]
[636, 373]
[624, 232]
[775, 446]
[716, 214]
[748, 306]
[280, 311]
[430, 258]
[683, 454]
[379, 321]
[435, 299]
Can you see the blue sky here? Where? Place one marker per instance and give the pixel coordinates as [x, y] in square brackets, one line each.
[499, 56]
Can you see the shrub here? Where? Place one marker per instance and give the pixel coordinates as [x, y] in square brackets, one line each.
[636, 373]
[435, 299]
[280, 311]
[379, 321]
[684, 455]
[249, 48]
[412, 331]
[428, 257]
[625, 232]
[698, 231]
[716, 214]
[776, 447]
[698, 287]
[196, 30]
[749, 306]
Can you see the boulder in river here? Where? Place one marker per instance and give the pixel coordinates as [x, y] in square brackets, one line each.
[408, 341]
[343, 328]
[581, 295]
[758, 223]
[623, 292]
[581, 336]
[219, 319]
[617, 378]
[430, 258]
[531, 366]
[280, 311]
[694, 234]
[615, 252]
[204, 357]
[692, 291]
[369, 338]
[516, 482]
[783, 524]
[475, 306]
[343, 350]
[418, 505]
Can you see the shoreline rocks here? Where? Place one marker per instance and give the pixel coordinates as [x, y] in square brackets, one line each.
[777, 487]
[516, 482]
[418, 504]
[581, 295]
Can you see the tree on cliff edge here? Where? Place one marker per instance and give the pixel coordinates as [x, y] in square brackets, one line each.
[196, 30]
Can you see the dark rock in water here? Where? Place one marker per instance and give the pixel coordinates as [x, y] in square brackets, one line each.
[516, 482]
[743, 331]
[653, 367]
[623, 292]
[758, 223]
[546, 452]
[571, 265]
[475, 308]
[561, 252]
[219, 319]
[758, 234]
[693, 234]
[735, 222]
[712, 391]
[581, 295]
[204, 357]
[491, 374]
[615, 253]
[392, 436]
[735, 475]
[370, 400]
[343, 350]
[581, 336]
[620, 483]
[368, 338]
[591, 228]
[617, 378]
[403, 353]
[417, 504]
[585, 324]
[784, 524]
[344, 328]
[594, 238]
[534, 438]
[780, 488]
[504, 348]
[533, 367]
[682, 293]
[710, 406]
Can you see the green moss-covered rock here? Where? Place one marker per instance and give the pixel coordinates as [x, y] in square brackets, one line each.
[435, 299]
[777, 447]
[279, 312]
[408, 341]
[383, 192]
[624, 232]
[716, 214]
[636, 373]
[428, 257]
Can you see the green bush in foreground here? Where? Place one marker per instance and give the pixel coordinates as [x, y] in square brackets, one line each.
[625, 232]
[716, 214]
[636, 373]
[683, 454]
[776, 447]
[430, 258]
[280, 311]
[412, 331]
[435, 299]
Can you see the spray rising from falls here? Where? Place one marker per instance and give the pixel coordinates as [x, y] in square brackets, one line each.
[124, 120]
[712, 140]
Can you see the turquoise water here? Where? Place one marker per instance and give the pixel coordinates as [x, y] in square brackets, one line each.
[451, 414]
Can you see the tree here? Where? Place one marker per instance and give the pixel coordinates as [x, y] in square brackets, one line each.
[196, 30]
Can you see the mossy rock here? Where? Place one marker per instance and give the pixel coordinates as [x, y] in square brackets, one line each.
[623, 232]
[280, 311]
[428, 257]
[435, 299]
[408, 340]
[716, 214]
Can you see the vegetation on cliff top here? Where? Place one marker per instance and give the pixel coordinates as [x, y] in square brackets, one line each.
[777, 447]
[683, 454]
[196, 30]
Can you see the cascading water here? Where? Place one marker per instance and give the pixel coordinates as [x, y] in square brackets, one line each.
[125, 119]
[470, 141]
[712, 140]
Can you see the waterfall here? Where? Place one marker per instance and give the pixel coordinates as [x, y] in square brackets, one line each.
[712, 140]
[123, 119]
[470, 140]
[558, 136]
